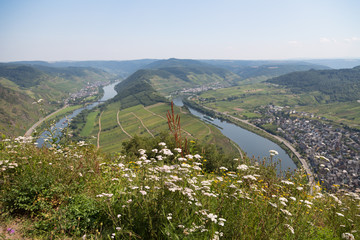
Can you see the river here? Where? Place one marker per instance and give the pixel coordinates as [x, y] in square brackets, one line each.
[251, 143]
[109, 92]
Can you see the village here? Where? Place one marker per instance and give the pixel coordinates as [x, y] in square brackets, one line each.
[332, 151]
[90, 89]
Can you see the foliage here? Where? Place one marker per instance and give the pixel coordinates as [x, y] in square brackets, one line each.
[341, 85]
[155, 193]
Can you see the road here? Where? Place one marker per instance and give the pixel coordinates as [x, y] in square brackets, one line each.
[32, 128]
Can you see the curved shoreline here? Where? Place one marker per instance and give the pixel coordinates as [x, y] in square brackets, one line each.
[269, 136]
[32, 128]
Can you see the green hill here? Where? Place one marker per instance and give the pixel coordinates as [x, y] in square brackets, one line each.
[167, 76]
[121, 68]
[339, 85]
[263, 68]
[22, 85]
[136, 90]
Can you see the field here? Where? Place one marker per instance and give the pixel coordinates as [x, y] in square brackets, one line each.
[245, 101]
[118, 126]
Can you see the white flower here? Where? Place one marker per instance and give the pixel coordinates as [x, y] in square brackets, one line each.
[283, 199]
[273, 152]
[154, 150]
[212, 217]
[162, 144]
[340, 214]
[290, 228]
[300, 188]
[197, 156]
[273, 204]
[223, 168]
[287, 182]
[242, 167]
[348, 236]
[286, 212]
[177, 150]
[251, 177]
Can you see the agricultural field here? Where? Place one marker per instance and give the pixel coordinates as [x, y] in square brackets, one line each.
[245, 102]
[118, 126]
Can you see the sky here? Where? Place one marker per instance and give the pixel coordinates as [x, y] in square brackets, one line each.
[55, 30]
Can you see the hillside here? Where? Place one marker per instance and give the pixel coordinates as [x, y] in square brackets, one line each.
[139, 108]
[167, 76]
[121, 68]
[263, 68]
[338, 85]
[136, 90]
[22, 85]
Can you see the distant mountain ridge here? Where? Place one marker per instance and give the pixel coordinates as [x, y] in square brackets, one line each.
[339, 85]
[265, 68]
[121, 68]
[175, 74]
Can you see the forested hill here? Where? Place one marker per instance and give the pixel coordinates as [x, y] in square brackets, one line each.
[339, 85]
[21, 85]
[187, 69]
[264, 68]
[121, 68]
[137, 89]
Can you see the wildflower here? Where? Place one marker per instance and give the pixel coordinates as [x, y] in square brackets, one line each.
[348, 236]
[154, 150]
[286, 212]
[251, 177]
[290, 228]
[212, 217]
[287, 182]
[340, 214]
[177, 150]
[119, 215]
[242, 167]
[273, 204]
[40, 100]
[118, 228]
[162, 144]
[300, 188]
[223, 168]
[293, 198]
[143, 192]
[10, 231]
[273, 152]
[181, 226]
[181, 159]
[166, 151]
[197, 156]
[282, 199]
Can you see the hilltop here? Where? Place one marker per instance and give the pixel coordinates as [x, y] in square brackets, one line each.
[336, 85]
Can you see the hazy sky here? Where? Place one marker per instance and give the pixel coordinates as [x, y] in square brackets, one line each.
[54, 30]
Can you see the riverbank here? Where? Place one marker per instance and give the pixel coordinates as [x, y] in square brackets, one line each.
[32, 128]
[284, 144]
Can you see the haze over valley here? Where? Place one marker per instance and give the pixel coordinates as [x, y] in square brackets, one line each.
[188, 120]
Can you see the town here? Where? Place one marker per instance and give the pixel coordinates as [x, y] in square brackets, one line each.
[332, 151]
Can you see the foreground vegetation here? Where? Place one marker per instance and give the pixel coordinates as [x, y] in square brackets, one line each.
[154, 190]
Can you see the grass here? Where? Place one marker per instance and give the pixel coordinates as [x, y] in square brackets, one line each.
[245, 100]
[89, 125]
[73, 191]
[154, 119]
